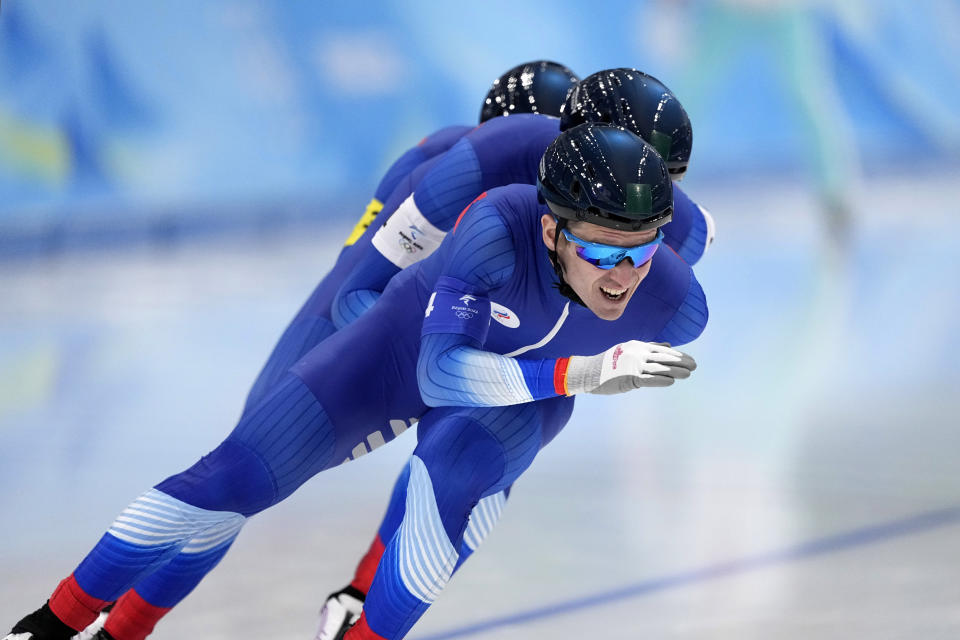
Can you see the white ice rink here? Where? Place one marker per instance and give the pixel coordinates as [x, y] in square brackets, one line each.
[804, 483]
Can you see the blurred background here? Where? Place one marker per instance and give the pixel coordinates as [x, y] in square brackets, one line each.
[176, 177]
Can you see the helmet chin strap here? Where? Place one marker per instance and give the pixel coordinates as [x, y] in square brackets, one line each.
[562, 286]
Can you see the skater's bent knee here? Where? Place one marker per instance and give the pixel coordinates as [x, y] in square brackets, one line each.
[230, 478]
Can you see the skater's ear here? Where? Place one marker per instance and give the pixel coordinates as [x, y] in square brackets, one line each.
[549, 230]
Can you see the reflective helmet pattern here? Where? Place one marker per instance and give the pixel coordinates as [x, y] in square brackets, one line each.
[533, 87]
[639, 102]
[608, 176]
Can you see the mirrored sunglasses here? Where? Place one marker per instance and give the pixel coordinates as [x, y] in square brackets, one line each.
[606, 256]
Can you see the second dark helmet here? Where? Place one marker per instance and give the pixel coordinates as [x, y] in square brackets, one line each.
[639, 102]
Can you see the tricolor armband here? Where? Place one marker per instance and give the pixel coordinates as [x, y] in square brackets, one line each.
[560, 376]
[407, 236]
[456, 307]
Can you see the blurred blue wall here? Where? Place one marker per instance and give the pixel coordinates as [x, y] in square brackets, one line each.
[121, 119]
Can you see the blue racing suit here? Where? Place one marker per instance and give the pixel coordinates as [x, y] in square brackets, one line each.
[469, 341]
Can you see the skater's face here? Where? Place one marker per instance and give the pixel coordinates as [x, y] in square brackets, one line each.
[605, 291]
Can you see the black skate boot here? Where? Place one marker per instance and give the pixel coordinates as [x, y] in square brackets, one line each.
[340, 612]
[41, 625]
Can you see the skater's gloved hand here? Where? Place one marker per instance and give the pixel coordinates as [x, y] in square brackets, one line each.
[627, 366]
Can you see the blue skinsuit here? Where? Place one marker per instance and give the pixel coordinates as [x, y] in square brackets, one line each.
[501, 151]
[361, 387]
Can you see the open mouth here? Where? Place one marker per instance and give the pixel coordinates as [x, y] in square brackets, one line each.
[612, 294]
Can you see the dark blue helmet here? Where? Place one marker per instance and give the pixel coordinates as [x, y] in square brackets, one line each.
[639, 102]
[605, 175]
[533, 87]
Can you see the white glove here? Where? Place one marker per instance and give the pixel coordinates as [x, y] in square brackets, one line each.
[340, 612]
[627, 366]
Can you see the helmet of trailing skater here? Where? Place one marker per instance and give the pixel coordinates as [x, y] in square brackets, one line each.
[533, 87]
